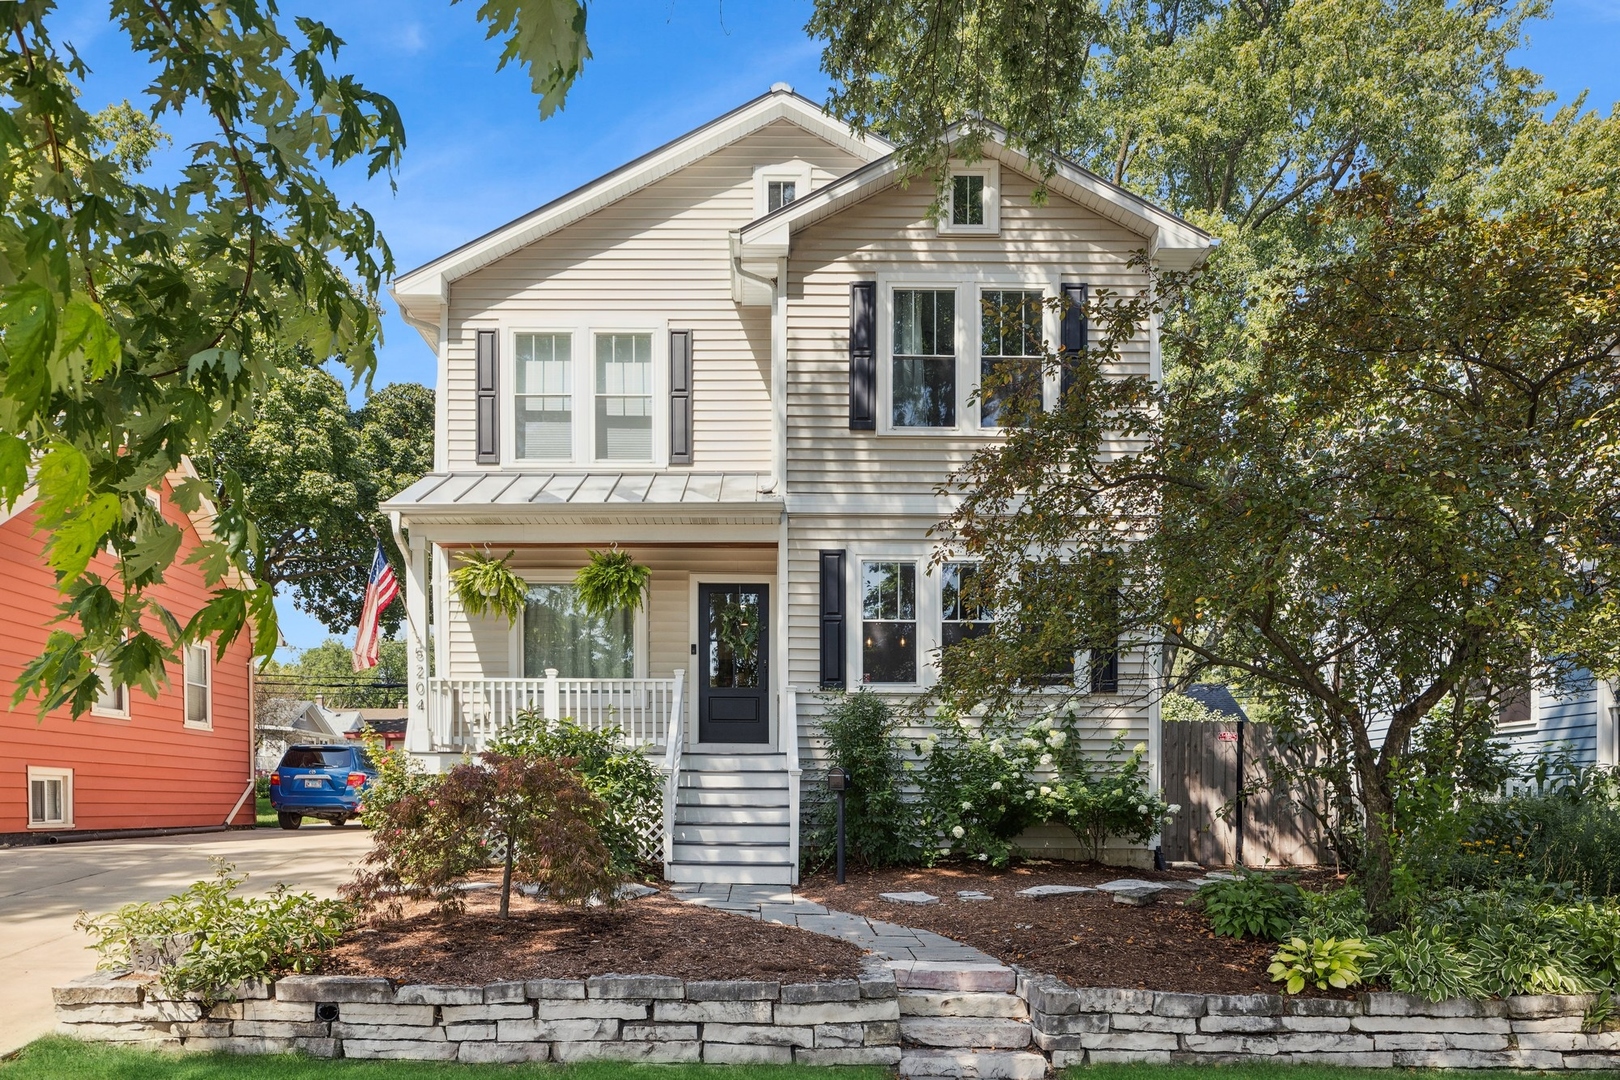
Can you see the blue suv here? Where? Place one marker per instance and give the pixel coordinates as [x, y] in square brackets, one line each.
[320, 782]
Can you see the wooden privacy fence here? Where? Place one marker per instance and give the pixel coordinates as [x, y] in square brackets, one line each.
[1266, 827]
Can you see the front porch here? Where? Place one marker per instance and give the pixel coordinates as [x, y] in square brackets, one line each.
[463, 714]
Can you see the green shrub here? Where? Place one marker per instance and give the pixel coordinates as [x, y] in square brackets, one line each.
[1253, 905]
[1320, 962]
[1424, 962]
[626, 781]
[220, 939]
[878, 822]
[1340, 913]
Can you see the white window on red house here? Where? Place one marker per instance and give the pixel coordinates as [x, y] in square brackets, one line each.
[199, 686]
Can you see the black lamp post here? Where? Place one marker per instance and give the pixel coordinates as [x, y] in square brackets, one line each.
[838, 782]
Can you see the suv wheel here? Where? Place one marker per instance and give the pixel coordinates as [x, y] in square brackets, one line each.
[289, 821]
[337, 822]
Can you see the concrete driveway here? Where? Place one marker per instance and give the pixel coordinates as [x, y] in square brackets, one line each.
[43, 889]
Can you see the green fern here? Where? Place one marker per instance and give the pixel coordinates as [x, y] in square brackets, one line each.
[487, 585]
[611, 581]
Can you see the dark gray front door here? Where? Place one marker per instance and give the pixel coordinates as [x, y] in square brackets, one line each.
[733, 663]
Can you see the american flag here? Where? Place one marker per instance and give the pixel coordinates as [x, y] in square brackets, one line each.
[380, 592]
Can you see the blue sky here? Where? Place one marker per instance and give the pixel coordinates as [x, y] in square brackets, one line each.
[477, 154]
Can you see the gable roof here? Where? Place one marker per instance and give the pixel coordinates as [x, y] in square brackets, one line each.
[1217, 699]
[420, 291]
[1171, 241]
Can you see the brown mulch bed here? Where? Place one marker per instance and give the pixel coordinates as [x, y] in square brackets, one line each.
[1085, 939]
[655, 935]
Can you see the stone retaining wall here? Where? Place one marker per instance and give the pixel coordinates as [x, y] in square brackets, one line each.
[1372, 1030]
[605, 1017]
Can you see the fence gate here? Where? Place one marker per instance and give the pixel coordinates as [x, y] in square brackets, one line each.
[1201, 774]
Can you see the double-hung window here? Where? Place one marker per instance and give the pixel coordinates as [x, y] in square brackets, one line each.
[50, 798]
[888, 621]
[967, 199]
[114, 697]
[963, 608]
[1010, 351]
[543, 397]
[199, 685]
[624, 402]
[558, 632]
[923, 384]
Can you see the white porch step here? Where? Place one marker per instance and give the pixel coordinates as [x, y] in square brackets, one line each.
[700, 762]
[730, 873]
[750, 833]
[767, 798]
[733, 853]
[715, 781]
[703, 814]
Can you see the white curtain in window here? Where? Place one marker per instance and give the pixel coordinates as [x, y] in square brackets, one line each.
[559, 633]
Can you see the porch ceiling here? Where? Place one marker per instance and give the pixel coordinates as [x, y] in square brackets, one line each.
[663, 497]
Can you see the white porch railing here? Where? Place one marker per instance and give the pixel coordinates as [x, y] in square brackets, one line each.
[789, 727]
[463, 714]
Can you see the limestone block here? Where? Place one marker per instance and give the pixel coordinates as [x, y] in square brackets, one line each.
[1176, 1025]
[1386, 1004]
[1295, 1006]
[100, 988]
[1165, 1004]
[141, 1033]
[882, 1033]
[666, 1053]
[505, 993]
[1315, 1023]
[236, 1044]
[1131, 1040]
[1461, 1025]
[809, 993]
[965, 1031]
[849, 1055]
[1230, 1044]
[410, 1015]
[993, 1065]
[732, 990]
[226, 1010]
[1591, 1061]
[909, 897]
[592, 1009]
[202, 1029]
[1077, 1024]
[435, 994]
[720, 1053]
[765, 1034]
[474, 1031]
[386, 1032]
[147, 1012]
[281, 1029]
[666, 1032]
[1326, 1042]
[401, 1049]
[1478, 1059]
[662, 987]
[712, 1012]
[878, 983]
[946, 975]
[1128, 1057]
[563, 989]
[272, 1009]
[556, 1030]
[938, 1003]
[499, 1053]
[1063, 1059]
[1096, 1000]
[1046, 994]
[838, 1012]
[1431, 1040]
[841, 1035]
[1239, 1025]
[1052, 1043]
[333, 988]
[461, 1014]
[1244, 1004]
[1368, 1059]
[1541, 1006]
[1536, 1040]
[1552, 1023]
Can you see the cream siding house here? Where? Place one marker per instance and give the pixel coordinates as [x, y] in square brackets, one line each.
[748, 358]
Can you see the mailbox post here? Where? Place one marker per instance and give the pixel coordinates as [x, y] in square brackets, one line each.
[838, 783]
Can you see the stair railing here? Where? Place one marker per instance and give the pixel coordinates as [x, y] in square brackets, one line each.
[674, 740]
[788, 726]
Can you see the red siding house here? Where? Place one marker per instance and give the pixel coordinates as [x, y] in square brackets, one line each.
[134, 762]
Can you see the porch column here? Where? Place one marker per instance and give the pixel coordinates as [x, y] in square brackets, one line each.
[418, 735]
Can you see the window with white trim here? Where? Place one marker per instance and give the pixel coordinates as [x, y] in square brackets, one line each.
[558, 632]
[972, 200]
[778, 193]
[923, 373]
[114, 697]
[1010, 346]
[967, 199]
[624, 397]
[963, 610]
[888, 621]
[199, 685]
[50, 798]
[543, 402]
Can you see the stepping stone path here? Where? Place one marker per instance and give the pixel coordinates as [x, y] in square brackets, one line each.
[969, 895]
[1041, 892]
[909, 897]
[1136, 897]
[1131, 885]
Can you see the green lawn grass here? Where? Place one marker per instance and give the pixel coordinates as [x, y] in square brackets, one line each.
[58, 1058]
[266, 816]
[1288, 1072]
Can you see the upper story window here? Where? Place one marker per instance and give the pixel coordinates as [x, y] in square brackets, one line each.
[114, 697]
[624, 397]
[924, 372]
[778, 193]
[972, 200]
[1010, 345]
[199, 685]
[543, 402]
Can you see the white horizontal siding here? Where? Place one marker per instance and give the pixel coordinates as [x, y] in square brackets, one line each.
[663, 253]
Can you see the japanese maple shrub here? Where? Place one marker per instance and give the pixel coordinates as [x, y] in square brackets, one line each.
[531, 815]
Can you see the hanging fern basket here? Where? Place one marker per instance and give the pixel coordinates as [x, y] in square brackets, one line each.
[486, 585]
[612, 581]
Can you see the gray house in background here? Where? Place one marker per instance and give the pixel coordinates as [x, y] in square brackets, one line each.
[1583, 713]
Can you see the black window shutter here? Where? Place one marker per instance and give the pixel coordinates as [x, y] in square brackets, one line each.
[488, 410]
[1074, 333]
[862, 358]
[832, 620]
[680, 397]
[1105, 669]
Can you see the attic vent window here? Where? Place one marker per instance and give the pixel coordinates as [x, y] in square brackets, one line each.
[779, 193]
[967, 199]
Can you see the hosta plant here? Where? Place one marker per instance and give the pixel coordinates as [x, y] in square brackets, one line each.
[1260, 906]
[1424, 962]
[1322, 963]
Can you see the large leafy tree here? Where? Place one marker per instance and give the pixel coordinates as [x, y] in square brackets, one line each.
[1412, 505]
[140, 314]
[326, 671]
[313, 472]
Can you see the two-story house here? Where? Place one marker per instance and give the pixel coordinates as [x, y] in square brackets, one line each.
[749, 358]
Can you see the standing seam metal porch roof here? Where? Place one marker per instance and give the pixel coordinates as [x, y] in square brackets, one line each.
[467, 490]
